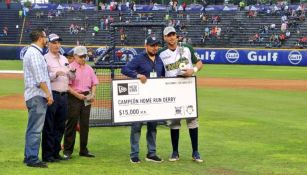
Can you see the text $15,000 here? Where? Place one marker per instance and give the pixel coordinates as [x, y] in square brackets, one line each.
[129, 112]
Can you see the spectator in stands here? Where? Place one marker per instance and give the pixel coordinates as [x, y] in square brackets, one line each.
[25, 10]
[123, 38]
[283, 27]
[180, 14]
[228, 29]
[242, 5]
[177, 25]
[218, 32]
[38, 15]
[213, 31]
[203, 38]
[292, 24]
[266, 29]
[71, 28]
[8, 4]
[58, 13]
[189, 41]
[184, 6]
[50, 15]
[5, 30]
[102, 22]
[20, 13]
[106, 23]
[288, 34]
[298, 30]
[101, 6]
[204, 4]
[82, 91]
[205, 18]
[272, 27]
[111, 19]
[120, 15]
[188, 18]
[302, 41]
[252, 14]
[282, 38]
[216, 19]
[96, 30]
[284, 19]
[268, 11]
[302, 17]
[255, 38]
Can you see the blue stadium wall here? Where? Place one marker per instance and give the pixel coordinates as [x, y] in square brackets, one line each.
[285, 57]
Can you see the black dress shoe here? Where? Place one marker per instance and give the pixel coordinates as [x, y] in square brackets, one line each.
[51, 160]
[38, 165]
[88, 154]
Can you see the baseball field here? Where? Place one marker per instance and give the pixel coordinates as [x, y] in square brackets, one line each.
[253, 121]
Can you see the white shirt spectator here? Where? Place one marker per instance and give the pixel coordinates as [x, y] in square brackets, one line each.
[288, 33]
[283, 27]
[284, 18]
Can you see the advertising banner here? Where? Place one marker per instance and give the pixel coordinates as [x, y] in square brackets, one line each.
[285, 57]
[255, 57]
[157, 99]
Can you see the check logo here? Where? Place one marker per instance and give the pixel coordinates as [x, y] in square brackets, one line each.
[122, 89]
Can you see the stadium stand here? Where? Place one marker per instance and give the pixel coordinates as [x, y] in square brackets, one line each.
[236, 27]
[9, 18]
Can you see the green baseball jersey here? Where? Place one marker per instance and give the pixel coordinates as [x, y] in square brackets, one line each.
[171, 59]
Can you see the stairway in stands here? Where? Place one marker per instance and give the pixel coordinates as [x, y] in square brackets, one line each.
[10, 18]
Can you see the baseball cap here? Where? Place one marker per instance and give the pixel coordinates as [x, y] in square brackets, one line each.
[80, 50]
[151, 41]
[69, 52]
[168, 30]
[54, 37]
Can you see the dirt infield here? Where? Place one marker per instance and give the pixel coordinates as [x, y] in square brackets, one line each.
[17, 101]
[11, 76]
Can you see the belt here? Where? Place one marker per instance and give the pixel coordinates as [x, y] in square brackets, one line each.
[59, 93]
[84, 93]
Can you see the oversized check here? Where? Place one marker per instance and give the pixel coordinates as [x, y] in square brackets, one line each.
[157, 99]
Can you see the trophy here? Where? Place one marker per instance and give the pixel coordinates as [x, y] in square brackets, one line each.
[182, 60]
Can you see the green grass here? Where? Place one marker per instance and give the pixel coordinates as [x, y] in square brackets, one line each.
[10, 64]
[254, 71]
[242, 131]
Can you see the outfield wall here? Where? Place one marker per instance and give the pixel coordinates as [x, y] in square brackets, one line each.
[285, 57]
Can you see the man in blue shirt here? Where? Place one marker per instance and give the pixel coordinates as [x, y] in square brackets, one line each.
[145, 65]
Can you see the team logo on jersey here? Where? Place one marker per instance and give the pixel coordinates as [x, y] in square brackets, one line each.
[174, 66]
